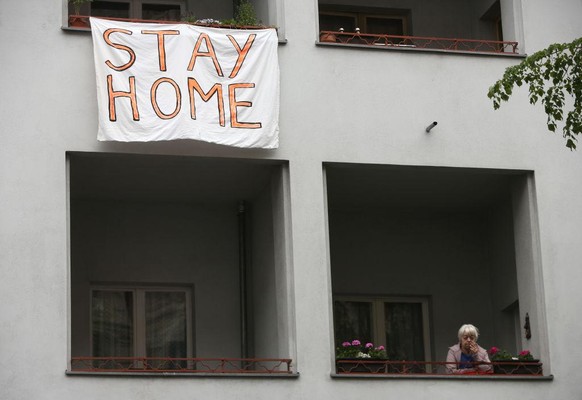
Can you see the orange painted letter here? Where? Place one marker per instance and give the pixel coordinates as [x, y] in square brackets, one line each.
[234, 104]
[118, 46]
[161, 45]
[210, 53]
[113, 95]
[216, 89]
[242, 53]
[153, 94]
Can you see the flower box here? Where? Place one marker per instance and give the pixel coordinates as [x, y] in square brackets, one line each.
[361, 366]
[506, 364]
[356, 357]
[531, 367]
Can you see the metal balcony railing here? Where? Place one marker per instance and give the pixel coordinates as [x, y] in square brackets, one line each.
[419, 42]
[182, 365]
[367, 366]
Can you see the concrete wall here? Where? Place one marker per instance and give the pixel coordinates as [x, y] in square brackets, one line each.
[160, 244]
[339, 105]
[430, 253]
[263, 279]
[503, 289]
[272, 309]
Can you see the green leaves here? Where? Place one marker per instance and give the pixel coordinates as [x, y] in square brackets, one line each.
[245, 14]
[550, 74]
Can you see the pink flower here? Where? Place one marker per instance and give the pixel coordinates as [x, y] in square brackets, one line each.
[380, 348]
[369, 345]
[356, 342]
[346, 344]
[493, 350]
[524, 353]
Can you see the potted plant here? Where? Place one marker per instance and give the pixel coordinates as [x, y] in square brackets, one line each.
[328, 37]
[76, 20]
[522, 364]
[245, 17]
[245, 14]
[355, 357]
[189, 17]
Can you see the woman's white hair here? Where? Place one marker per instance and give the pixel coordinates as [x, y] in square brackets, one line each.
[468, 329]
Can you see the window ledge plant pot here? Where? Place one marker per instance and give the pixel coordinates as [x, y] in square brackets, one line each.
[79, 21]
[531, 367]
[361, 366]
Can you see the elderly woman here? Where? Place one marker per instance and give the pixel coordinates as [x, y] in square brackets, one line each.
[467, 357]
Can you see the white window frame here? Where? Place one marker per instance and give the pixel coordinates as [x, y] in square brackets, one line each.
[139, 328]
[378, 323]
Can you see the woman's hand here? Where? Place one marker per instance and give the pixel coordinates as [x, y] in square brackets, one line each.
[473, 348]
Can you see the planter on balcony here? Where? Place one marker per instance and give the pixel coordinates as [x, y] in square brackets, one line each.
[79, 21]
[532, 367]
[327, 37]
[361, 366]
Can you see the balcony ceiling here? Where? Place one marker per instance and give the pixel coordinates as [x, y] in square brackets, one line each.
[123, 177]
[357, 185]
[147, 178]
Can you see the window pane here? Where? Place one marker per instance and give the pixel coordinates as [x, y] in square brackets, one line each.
[404, 331]
[164, 12]
[112, 9]
[384, 26]
[112, 323]
[352, 320]
[329, 22]
[166, 324]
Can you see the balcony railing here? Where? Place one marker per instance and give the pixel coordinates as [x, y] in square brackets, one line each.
[419, 42]
[182, 365]
[387, 367]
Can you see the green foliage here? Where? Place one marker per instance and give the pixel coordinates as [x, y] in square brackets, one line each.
[550, 74]
[77, 5]
[228, 22]
[525, 355]
[189, 17]
[497, 354]
[245, 14]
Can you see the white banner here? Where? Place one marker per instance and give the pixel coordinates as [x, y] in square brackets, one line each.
[179, 81]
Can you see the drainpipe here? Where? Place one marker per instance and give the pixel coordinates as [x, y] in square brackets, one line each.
[242, 262]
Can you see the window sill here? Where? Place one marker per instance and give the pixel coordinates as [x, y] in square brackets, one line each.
[491, 377]
[73, 29]
[419, 50]
[287, 375]
[167, 366]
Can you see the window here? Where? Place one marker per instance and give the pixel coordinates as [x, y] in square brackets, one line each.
[401, 325]
[141, 322]
[367, 22]
[170, 10]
